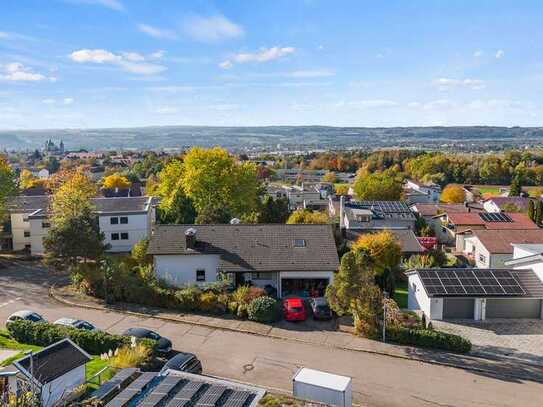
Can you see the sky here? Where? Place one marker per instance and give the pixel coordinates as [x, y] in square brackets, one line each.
[126, 63]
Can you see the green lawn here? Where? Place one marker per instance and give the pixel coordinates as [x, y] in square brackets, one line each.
[400, 295]
[489, 190]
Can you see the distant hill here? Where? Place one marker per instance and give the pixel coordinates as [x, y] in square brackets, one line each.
[474, 138]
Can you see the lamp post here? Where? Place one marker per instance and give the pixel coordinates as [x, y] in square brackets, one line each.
[385, 297]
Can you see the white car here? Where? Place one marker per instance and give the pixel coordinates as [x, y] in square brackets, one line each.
[75, 323]
[25, 315]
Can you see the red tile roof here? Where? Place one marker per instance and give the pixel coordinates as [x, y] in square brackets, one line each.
[500, 242]
[519, 221]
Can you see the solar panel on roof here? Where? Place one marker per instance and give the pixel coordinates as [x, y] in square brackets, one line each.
[189, 391]
[178, 403]
[495, 217]
[452, 282]
[211, 396]
[237, 399]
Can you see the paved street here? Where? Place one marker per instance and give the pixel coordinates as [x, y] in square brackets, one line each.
[377, 380]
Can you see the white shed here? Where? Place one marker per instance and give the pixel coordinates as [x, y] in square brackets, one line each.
[323, 387]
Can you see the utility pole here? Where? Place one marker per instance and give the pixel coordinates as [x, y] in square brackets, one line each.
[385, 297]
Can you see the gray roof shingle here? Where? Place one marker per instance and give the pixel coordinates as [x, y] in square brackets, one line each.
[258, 248]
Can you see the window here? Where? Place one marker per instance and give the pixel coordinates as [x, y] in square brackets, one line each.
[114, 236]
[261, 276]
[27, 233]
[482, 258]
[45, 225]
[25, 219]
[362, 218]
[124, 236]
[114, 221]
[124, 220]
[200, 275]
[299, 242]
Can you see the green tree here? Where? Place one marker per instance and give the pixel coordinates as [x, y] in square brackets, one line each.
[213, 179]
[378, 187]
[273, 210]
[52, 165]
[516, 188]
[139, 252]
[8, 187]
[539, 213]
[213, 213]
[76, 237]
[302, 216]
[354, 291]
[531, 209]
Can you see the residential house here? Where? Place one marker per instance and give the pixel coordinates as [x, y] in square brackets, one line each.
[527, 256]
[430, 213]
[294, 259]
[454, 223]
[55, 371]
[362, 217]
[506, 203]
[124, 221]
[491, 248]
[475, 294]
[417, 192]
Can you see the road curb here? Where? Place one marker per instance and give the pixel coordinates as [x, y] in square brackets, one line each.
[492, 372]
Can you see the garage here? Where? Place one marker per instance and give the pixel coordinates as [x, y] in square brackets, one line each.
[304, 287]
[458, 308]
[513, 308]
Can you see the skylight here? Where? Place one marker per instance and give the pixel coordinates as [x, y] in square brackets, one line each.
[299, 242]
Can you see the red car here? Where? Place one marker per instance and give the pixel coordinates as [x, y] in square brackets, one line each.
[294, 309]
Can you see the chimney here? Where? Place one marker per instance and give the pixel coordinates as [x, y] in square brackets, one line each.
[341, 212]
[190, 238]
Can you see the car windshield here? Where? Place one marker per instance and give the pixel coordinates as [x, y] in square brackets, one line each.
[34, 317]
[296, 309]
[86, 326]
[153, 335]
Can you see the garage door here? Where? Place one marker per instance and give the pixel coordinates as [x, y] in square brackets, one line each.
[458, 308]
[513, 308]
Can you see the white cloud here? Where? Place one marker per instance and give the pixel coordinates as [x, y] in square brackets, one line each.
[64, 101]
[316, 73]
[157, 54]
[156, 32]
[166, 109]
[3, 35]
[440, 104]
[68, 101]
[500, 54]
[211, 29]
[132, 62]
[263, 55]
[478, 53]
[369, 104]
[17, 72]
[48, 101]
[450, 83]
[111, 4]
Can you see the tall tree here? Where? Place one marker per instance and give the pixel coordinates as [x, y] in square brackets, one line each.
[212, 178]
[516, 188]
[8, 187]
[453, 193]
[273, 210]
[383, 186]
[383, 249]
[115, 181]
[539, 213]
[531, 209]
[72, 198]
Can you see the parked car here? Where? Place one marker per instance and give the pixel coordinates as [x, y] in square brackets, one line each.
[75, 323]
[185, 362]
[294, 309]
[164, 345]
[320, 308]
[25, 315]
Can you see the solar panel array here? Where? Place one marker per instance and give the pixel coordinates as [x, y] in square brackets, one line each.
[132, 391]
[456, 282]
[383, 206]
[211, 396]
[495, 217]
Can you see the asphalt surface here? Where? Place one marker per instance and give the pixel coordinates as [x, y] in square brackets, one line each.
[377, 380]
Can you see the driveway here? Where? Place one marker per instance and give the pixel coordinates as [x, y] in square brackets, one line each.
[517, 339]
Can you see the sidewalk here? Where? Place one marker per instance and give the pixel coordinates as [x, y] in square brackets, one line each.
[323, 335]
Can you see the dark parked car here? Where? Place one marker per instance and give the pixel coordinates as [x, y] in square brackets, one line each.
[320, 308]
[164, 345]
[185, 362]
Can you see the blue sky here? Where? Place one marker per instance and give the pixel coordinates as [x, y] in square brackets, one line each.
[122, 63]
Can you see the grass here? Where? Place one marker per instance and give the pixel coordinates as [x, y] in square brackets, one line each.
[400, 295]
[489, 190]
[92, 368]
[6, 342]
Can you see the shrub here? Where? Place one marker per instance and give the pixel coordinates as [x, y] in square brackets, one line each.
[242, 311]
[429, 339]
[209, 302]
[188, 299]
[94, 343]
[245, 294]
[263, 309]
[131, 357]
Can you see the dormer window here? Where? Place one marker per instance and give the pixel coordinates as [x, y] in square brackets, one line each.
[299, 242]
[362, 218]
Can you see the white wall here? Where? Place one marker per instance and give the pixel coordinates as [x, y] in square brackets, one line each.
[490, 206]
[37, 233]
[436, 308]
[180, 270]
[18, 227]
[138, 228]
[62, 386]
[416, 295]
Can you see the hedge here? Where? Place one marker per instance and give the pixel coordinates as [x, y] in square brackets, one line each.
[263, 309]
[429, 339]
[39, 334]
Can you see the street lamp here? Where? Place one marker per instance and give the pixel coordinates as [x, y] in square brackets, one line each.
[385, 297]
